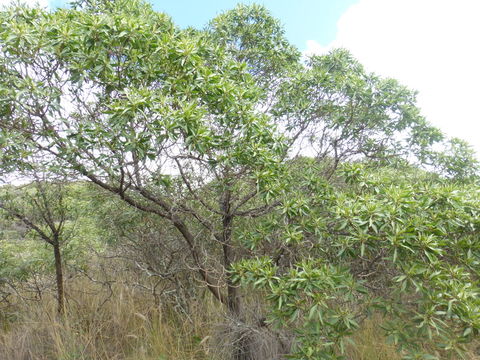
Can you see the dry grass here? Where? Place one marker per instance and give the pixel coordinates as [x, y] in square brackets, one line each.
[370, 344]
[129, 327]
[125, 327]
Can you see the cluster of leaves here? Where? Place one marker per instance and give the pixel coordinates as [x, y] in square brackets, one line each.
[404, 243]
[315, 298]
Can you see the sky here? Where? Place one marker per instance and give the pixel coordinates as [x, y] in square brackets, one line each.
[431, 46]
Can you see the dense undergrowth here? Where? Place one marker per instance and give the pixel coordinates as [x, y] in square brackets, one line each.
[107, 320]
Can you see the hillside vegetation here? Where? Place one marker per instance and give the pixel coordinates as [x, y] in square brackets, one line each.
[178, 193]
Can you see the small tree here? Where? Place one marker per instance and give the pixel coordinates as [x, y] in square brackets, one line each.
[42, 208]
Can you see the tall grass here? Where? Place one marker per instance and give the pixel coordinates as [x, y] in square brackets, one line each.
[125, 325]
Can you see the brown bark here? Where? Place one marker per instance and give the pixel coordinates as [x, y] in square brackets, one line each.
[59, 278]
[242, 344]
[233, 298]
[189, 238]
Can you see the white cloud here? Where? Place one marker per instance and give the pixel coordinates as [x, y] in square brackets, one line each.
[429, 45]
[42, 3]
[314, 47]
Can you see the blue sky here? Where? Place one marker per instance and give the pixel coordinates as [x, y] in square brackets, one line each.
[303, 19]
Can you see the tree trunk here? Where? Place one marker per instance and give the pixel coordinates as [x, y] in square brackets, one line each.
[242, 349]
[233, 298]
[59, 277]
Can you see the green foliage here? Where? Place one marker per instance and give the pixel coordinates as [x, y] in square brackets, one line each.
[313, 297]
[137, 89]
[195, 131]
[403, 243]
[20, 260]
[348, 113]
[457, 161]
[24, 254]
[253, 36]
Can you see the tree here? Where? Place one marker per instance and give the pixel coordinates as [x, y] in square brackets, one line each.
[346, 113]
[194, 127]
[329, 106]
[122, 98]
[41, 207]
